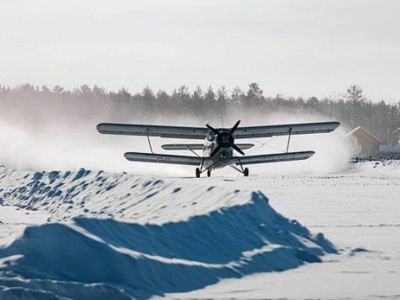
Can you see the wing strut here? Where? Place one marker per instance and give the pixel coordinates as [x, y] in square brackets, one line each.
[191, 150]
[288, 142]
[148, 139]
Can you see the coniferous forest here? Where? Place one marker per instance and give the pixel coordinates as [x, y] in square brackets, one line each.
[352, 108]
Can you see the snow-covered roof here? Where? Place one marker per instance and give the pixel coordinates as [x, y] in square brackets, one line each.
[362, 134]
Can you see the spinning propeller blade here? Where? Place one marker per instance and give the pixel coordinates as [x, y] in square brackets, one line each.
[234, 127]
[237, 149]
[222, 142]
[215, 150]
[211, 128]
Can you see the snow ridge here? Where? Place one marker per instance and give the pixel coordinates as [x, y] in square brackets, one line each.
[164, 237]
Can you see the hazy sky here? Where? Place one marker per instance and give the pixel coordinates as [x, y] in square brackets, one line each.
[295, 48]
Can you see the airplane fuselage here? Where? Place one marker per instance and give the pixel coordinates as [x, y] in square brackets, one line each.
[224, 154]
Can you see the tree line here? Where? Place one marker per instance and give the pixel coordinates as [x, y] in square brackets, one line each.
[352, 108]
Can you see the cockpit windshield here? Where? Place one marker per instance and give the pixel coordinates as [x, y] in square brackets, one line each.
[210, 136]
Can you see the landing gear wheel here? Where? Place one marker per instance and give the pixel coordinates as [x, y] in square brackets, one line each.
[246, 172]
[197, 172]
[208, 173]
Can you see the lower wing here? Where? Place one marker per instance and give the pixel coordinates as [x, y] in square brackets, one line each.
[164, 159]
[269, 158]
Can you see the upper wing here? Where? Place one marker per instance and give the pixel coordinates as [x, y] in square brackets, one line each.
[153, 130]
[269, 158]
[285, 129]
[201, 132]
[164, 159]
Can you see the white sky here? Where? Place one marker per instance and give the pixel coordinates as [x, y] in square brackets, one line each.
[295, 48]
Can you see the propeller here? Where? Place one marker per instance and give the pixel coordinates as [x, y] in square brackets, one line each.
[211, 128]
[225, 138]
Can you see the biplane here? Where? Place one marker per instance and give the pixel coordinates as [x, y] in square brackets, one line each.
[218, 148]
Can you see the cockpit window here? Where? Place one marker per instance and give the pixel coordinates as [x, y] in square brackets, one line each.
[210, 136]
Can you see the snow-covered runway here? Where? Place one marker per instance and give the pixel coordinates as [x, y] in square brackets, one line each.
[358, 210]
[98, 235]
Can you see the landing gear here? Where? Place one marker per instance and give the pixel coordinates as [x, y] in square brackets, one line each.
[246, 172]
[208, 173]
[197, 172]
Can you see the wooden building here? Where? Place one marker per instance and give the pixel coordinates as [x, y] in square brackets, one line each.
[366, 143]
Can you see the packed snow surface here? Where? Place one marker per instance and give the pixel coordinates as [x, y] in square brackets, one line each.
[99, 235]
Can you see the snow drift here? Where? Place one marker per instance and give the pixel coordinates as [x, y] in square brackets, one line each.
[117, 236]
